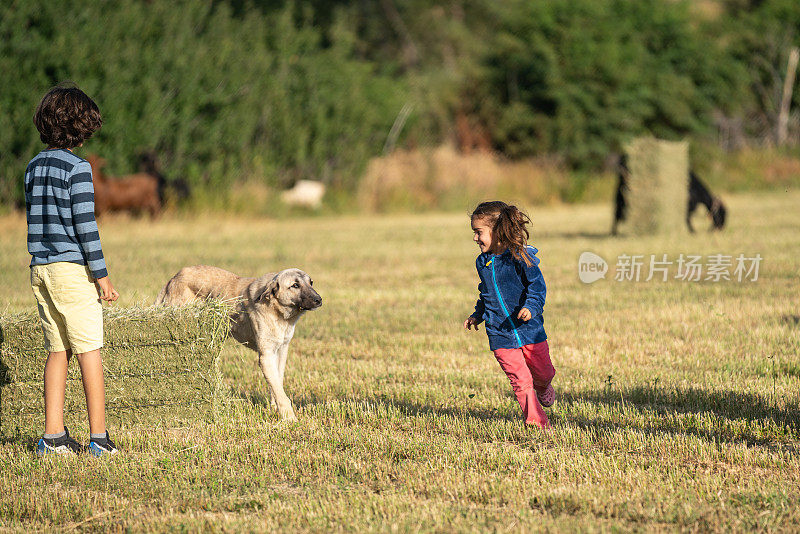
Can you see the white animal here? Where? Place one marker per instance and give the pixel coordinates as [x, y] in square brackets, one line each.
[305, 193]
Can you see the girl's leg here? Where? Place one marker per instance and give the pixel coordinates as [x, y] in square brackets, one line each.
[94, 389]
[537, 360]
[513, 364]
[55, 382]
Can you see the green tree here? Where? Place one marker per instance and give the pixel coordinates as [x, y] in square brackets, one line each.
[219, 95]
[580, 77]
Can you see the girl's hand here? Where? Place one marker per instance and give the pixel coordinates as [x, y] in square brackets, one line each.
[524, 315]
[471, 322]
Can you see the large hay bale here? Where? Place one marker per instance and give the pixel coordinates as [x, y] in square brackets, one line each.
[658, 185]
[160, 366]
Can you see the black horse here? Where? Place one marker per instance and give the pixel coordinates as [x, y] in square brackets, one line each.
[179, 188]
[698, 194]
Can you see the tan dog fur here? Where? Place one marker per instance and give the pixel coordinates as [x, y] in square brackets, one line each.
[265, 312]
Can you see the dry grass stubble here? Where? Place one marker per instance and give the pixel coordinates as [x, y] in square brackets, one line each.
[678, 406]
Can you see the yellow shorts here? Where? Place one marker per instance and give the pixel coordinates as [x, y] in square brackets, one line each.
[69, 306]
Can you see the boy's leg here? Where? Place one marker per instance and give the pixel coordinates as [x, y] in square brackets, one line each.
[76, 296]
[55, 382]
[537, 359]
[513, 363]
[94, 388]
[57, 345]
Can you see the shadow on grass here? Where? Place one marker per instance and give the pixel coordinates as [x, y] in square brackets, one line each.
[253, 396]
[575, 235]
[664, 432]
[410, 408]
[404, 406]
[730, 405]
[653, 403]
[790, 319]
[417, 409]
[28, 443]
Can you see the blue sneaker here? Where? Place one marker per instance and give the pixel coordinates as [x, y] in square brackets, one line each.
[63, 445]
[102, 446]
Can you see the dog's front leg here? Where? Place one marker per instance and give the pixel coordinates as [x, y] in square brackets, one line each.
[283, 351]
[269, 360]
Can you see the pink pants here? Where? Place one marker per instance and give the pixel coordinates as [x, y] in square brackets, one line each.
[529, 370]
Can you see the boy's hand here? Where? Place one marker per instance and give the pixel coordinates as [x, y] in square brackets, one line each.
[107, 291]
[471, 322]
[524, 315]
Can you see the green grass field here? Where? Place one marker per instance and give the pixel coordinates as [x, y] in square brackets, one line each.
[679, 402]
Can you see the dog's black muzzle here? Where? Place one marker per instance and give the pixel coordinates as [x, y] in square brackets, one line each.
[311, 301]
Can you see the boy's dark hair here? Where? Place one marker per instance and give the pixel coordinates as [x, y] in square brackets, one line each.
[508, 225]
[66, 117]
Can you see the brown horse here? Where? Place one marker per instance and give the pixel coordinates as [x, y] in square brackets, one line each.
[134, 193]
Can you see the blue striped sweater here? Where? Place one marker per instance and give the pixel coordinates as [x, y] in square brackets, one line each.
[59, 204]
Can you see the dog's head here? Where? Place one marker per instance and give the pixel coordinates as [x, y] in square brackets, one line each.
[290, 290]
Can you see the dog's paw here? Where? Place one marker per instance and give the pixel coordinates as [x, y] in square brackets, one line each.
[288, 415]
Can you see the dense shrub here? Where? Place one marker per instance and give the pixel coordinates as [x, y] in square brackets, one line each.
[579, 77]
[220, 97]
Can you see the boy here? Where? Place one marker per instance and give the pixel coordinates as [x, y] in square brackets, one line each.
[68, 270]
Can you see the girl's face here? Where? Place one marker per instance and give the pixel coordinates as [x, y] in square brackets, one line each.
[484, 236]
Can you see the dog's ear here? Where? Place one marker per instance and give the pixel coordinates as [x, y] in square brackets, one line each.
[269, 291]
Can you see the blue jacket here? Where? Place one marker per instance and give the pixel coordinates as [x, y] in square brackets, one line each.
[508, 285]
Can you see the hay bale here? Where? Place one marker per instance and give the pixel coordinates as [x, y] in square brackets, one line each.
[160, 365]
[658, 185]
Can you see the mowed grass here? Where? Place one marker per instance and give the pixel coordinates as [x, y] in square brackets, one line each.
[679, 403]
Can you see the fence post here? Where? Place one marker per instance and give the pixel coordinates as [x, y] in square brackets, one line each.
[786, 100]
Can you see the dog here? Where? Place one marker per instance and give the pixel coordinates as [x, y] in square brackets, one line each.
[265, 312]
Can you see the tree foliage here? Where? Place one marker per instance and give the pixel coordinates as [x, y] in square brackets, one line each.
[218, 96]
[277, 91]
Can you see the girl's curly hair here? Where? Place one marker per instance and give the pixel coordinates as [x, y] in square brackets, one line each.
[66, 117]
[508, 225]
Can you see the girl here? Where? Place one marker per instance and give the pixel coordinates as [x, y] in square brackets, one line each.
[511, 301]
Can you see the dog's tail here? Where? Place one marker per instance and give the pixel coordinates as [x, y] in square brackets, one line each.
[161, 295]
[161, 299]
